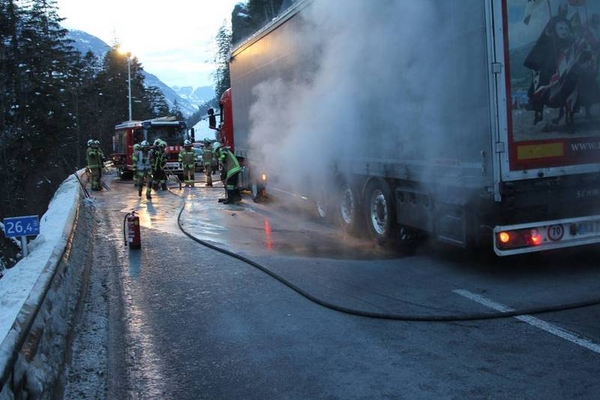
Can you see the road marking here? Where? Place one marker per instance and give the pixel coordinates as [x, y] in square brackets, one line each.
[533, 321]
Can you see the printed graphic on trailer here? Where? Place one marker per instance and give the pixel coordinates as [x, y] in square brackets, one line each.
[554, 50]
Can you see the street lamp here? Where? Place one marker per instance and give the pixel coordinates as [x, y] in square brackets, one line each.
[128, 54]
[129, 80]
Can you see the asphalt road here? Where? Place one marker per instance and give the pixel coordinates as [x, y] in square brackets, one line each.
[305, 312]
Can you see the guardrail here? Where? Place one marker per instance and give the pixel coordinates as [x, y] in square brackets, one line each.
[32, 353]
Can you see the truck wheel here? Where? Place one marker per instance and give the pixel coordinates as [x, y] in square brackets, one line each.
[348, 209]
[380, 212]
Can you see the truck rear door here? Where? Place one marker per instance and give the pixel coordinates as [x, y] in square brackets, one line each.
[547, 81]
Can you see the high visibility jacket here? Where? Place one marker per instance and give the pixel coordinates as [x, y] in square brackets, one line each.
[207, 156]
[158, 159]
[187, 158]
[94, 157]
[229, 161]
[141, 161]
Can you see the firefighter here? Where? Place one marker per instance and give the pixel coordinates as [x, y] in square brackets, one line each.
[158, 160]
[187, 158]
[207, 161]
[136, 148]
[94, 163]
[97, 143]
[142, 168]
[229, 175]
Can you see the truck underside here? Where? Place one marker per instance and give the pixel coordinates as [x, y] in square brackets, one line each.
[540, 213]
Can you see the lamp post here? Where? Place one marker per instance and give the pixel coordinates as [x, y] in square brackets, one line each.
[129, 80]
[128, 54]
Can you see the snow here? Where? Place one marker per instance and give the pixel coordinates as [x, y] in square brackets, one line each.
[202, 131]
[18, 282]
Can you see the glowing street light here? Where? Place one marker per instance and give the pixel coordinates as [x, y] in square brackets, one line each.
[128, 54]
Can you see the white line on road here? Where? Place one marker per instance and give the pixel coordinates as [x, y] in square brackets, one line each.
[538, 323]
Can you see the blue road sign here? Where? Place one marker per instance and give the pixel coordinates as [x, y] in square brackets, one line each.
[21, 226]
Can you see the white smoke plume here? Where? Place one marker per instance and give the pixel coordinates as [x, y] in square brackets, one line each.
[380, 82]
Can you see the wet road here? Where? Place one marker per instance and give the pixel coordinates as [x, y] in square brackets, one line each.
[186, 321]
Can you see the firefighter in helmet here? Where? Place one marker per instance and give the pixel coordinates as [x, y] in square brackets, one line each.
[230, 173]
[158, 159]
[95, 160]
[142, 168]
[207, 161]
[187, 158]
[97, 143]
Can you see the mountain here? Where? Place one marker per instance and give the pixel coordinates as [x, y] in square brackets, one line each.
[198, 96]
[84, 42]
[188, 105]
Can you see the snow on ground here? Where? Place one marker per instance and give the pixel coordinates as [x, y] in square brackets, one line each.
[18, 282]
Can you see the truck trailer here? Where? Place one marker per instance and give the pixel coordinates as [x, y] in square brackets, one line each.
[473, 122]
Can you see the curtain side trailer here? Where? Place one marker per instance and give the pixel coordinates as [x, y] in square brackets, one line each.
[459, 135]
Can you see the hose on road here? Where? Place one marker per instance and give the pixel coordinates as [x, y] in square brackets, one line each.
[384, 315]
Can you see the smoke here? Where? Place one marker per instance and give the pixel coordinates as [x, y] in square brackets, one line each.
[379, 83]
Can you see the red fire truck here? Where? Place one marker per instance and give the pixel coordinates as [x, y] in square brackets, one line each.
[129, 133]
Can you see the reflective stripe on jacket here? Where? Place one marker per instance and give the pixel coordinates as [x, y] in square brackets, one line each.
[229, 161]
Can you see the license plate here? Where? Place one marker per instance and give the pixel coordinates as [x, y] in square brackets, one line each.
[589, 227]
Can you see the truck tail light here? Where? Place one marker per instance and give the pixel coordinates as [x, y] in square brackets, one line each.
[518, 238]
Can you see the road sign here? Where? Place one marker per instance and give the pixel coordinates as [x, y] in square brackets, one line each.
[21, 226]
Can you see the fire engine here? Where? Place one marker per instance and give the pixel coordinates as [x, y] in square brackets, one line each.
[129, 133]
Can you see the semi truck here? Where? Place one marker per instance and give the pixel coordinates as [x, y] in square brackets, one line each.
[471, 122]
[128, 133]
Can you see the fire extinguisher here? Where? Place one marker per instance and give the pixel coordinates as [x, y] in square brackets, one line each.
[131, 230]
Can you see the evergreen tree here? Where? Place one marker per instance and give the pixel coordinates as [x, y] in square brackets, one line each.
[176, 111]
[39, 74]
[157, 100]
[85, 103]
[222, 78]
[247, 19]
[112, 83]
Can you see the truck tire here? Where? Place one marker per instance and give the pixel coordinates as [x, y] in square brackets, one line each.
[349, 209]
[380, 211]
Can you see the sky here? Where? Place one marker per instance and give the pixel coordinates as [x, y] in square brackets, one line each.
[174, 41]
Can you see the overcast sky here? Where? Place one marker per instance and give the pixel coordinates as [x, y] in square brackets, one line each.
[174, 40]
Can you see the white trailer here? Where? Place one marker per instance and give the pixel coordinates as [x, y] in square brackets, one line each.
[469, 121]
